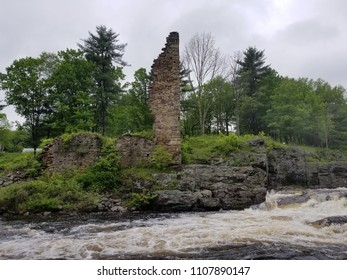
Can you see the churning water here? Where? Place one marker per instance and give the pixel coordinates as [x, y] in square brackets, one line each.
[284, 227]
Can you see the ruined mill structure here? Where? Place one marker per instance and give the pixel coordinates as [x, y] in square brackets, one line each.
[164, 102]
[164, 97]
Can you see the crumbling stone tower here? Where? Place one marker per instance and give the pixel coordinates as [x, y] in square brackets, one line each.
[164, 98]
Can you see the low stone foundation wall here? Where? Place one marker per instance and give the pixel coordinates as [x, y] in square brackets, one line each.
[12, 177]
[134, 150]
[78, 152]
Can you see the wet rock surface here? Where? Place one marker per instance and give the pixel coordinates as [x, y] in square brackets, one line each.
[276, 251]
[251, 251]
[289, 166]
[242, 180]
[208, 187]
[328, 221]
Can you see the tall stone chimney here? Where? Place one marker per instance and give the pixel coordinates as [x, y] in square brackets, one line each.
[164, 98]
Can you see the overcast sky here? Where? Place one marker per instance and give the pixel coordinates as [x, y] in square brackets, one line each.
[301, 38]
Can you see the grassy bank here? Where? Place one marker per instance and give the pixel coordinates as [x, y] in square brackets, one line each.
[201, 149]
[24, 162]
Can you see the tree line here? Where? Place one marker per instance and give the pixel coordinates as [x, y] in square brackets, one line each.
[241, 93]
[85, 89]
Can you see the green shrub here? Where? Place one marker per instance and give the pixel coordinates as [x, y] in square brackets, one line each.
[142, 201]
[229, 144]
[13, 198]
[40, 203]
[161, 157]
[45, 142]
[52, 193]
[269, 143]
[34, 169]
[198, 149]
[104, 174]
[149, 134]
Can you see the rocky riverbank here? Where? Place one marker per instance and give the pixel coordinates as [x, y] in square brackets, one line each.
[236, 181]
[243, 179]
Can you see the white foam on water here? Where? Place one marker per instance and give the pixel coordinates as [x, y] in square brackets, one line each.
[185, 233]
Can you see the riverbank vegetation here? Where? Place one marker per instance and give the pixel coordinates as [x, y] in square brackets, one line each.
[73, 191]
[56, 193]
[225, 102]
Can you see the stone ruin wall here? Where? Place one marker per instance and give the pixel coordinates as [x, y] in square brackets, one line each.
[81, 151]
[164, 98]
[134, 150]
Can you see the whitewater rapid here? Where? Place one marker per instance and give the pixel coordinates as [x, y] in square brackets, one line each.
[282, 227]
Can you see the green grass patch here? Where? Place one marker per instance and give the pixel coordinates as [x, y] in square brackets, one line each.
[204, 148]
[144, 173]
[201, 149]
[25, 162]
[149, 134]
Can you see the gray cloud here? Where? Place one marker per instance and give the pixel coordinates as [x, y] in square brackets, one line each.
[300, 38]
[308, 33]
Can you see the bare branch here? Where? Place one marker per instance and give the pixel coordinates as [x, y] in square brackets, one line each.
[203, 58]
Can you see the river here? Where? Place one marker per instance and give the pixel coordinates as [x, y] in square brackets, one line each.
[283, 227]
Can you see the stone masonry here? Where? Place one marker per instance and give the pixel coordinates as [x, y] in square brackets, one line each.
[134, 150]
[164, 98]
[81, 151]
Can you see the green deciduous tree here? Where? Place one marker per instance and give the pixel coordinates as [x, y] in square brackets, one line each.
[132, 113]
[308, 112]
[333, 127]
[72, 93]
[4, 129]
[25, 85]
[222, 105]
[289, 113]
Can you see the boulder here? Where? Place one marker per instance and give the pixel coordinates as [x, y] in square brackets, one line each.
[328, 221]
